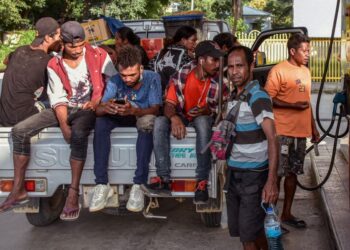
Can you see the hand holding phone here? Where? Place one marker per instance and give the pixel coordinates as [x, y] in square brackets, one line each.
[120, 101]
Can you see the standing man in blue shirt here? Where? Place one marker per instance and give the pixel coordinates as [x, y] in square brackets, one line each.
[253, 160]
[132, 97]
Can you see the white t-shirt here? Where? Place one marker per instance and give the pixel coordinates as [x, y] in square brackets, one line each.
[80, 82]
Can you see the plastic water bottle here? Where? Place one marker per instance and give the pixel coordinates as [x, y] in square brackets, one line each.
[273, 229]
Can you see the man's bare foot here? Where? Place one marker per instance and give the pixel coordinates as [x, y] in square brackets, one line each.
[72, 207]
[13, 200]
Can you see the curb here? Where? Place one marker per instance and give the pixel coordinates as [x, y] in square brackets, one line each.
[329, 219]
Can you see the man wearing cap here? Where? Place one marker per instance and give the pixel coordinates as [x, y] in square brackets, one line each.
[75, 88]
[76, 84]
[191, 100]
[23, 90]
[25, 78]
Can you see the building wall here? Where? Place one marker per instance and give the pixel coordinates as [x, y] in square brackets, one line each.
[317, 16]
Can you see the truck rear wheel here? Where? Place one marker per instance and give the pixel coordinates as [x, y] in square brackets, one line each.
[49, 209]
[211, 219]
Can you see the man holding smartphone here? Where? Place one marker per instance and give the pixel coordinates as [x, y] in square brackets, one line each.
[191, 100]
[131, 98]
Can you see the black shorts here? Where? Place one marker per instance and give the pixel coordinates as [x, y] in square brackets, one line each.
[244, 211]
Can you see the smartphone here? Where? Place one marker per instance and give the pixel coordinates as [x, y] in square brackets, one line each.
[120, 101]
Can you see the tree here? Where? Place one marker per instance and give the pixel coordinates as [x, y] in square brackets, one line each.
[126, 9]
[257, 4]
[204, 5]
[155, 8]
[237, 10]
[17, 14]
[282, 11]
[120, 9]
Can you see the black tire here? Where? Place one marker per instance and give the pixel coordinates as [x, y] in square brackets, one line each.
[49, 209]
[211, 219]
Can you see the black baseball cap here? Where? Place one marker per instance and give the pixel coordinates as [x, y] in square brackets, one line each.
[44, 26]
[208, 48]
[72, 32]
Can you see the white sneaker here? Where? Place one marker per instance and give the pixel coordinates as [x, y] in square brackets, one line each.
[136, 199]
[100, 197]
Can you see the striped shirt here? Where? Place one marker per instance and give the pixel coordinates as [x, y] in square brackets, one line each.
[250, 149]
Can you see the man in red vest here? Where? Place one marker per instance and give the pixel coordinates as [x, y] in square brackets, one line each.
[75, 88]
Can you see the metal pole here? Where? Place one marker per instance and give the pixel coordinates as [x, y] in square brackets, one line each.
[221, 80]
[192, 4]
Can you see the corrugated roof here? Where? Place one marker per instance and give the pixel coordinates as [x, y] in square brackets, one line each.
[249, 11]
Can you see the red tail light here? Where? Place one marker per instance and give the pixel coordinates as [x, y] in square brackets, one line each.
[29, 185]
[6, 185]
[36, 185]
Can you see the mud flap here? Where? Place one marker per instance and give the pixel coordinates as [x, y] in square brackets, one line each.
[31, 207]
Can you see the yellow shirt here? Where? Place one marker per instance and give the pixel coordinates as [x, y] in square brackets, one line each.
[291, 83]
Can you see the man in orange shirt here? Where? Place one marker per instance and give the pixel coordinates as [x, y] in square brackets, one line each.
[289, 85]
[191, 100]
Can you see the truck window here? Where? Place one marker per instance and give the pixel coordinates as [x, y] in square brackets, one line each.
[273, 50]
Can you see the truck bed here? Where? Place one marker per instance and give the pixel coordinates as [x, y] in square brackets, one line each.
[50, 157]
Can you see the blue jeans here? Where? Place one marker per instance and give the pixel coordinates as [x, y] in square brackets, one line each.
[161, 139]
[102, 145]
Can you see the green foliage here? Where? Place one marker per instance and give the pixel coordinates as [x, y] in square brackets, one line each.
[257, 4]
[121, 9]
[282, 11]
[155, 8]
[25, 37]
[10, 14]
[203, 5]
[241, 26]
[130, 9]
[222, 9]
[18, 14]
[75, 10]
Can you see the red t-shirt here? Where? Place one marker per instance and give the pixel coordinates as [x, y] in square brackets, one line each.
[195, 93]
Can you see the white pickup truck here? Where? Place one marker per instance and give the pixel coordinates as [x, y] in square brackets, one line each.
[49, 172]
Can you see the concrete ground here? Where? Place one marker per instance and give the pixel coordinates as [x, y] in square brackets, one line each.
[182, 230]
[335, 193]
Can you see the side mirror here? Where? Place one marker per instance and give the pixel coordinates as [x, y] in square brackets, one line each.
[260, 58]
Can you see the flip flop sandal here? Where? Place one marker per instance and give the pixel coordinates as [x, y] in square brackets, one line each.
[295, 222]
[66, 212]
[14, 204]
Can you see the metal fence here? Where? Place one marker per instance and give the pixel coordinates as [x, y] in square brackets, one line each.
[275, 49]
